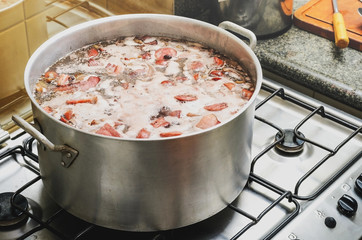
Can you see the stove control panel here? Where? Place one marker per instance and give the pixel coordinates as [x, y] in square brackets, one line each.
[335, 214]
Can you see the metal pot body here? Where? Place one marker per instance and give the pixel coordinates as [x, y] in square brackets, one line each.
[144, 185]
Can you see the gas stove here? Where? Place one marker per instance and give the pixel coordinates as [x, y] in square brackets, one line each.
[305, 182]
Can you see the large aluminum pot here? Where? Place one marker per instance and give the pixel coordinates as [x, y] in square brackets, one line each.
[138, 184]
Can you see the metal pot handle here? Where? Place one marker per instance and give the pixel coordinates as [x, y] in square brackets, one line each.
[240, 30]
[68, 154]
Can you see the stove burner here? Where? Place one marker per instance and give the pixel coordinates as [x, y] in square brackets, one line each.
[9, 215]
[290, 144]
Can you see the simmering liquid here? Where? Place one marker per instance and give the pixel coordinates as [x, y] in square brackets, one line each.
[144, 87]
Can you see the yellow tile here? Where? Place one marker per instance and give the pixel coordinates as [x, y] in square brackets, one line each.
[11, 15]
[140, 6]
[13, 58]
[36, 28]
[101, 3]
[33, 7]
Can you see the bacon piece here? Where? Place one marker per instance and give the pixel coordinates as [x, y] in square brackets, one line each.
[94, 122]
[143, 133]
[217, 73]
[192, 115]
[92, 100]
[68, 114]
[118, 123]
[48, 109]
[176, 113]
[186, 97]
[92, 62]
[63, 80]
[146, 55]
[196, 76]
[170, 134]
[216, 107]
[229, 85]
[154, 42]
[180, 78]
[50, 75]
[108, 130]
[245, 93]
[165, 53]
[39, 88]
[207, 121]
[168, 83]
[161, 62]
[92, 52]
[160, 122]
[63, 119]
[125, 85]
[92, 81]
[196, 66]
[218, 61]
[216, 78]
[113, 69]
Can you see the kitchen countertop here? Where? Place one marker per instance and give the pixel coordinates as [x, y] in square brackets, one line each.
[315, 66]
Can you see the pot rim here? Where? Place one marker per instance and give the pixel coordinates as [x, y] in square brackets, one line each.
[144, 16]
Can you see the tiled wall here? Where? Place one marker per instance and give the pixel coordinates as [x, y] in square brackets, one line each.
[22, 30]
[136, 6]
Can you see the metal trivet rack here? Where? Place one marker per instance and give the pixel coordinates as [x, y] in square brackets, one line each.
[292, 197]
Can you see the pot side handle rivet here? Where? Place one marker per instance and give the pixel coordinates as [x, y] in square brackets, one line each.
[68, 154]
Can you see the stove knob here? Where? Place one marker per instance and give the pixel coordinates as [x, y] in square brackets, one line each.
[347, 205]
[330, 222]
[358, 185]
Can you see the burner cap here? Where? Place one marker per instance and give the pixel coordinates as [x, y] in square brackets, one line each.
[290, 144]
[9, 215]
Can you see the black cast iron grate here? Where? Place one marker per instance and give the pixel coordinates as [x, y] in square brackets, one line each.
[292, 197]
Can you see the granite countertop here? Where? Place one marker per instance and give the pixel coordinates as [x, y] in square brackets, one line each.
[316, 64]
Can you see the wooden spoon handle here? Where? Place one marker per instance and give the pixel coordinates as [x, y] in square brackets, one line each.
[340, 33]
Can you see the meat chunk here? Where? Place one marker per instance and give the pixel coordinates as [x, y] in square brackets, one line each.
[108, 130]
[208, 121]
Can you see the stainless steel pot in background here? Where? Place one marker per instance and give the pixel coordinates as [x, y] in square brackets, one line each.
[265, 18]
[144, 185]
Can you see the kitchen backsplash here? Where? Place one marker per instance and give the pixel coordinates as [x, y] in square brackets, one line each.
[26, 24]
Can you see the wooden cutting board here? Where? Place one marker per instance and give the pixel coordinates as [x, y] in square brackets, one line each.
[316, 17]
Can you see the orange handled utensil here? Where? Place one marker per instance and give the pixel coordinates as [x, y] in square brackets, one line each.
[340, 34]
